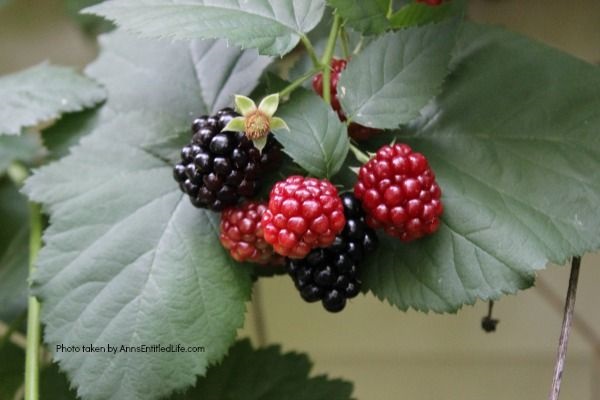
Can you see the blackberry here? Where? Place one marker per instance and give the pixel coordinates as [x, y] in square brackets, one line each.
[331, 274]
[399, 193]
[218, 169]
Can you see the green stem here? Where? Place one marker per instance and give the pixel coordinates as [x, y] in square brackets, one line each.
[298, 82]
[32, 352]
[310, 50]
[359, 154]
[390, 10]
[326, 60]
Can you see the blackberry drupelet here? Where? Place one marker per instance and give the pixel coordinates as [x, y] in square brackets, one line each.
[218, 169]
[331, 274]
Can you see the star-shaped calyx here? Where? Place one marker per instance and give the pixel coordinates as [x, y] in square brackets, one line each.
[256, 122]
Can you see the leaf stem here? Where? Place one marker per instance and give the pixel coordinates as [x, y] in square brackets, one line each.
[565, 329]
[390, 10]
[32, 351]
[327, 54]
[359, 154]
[298, 82]
[310, 49]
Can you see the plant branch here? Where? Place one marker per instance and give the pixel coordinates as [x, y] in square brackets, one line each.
[32, 351]
[310, 49]
[565, 330]
[298, 82]
[326, 60]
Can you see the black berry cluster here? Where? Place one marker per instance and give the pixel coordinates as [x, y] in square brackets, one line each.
[218, 169]
[331, 274]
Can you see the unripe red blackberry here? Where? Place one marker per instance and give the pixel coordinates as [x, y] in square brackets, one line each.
[356, 131]
[398, 192]
[331, 274]
[303, 213]
[218, 169]
[242, 234]
[337, 66]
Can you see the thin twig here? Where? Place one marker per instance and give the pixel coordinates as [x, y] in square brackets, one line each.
[580, 324]
[259, 320]
[565, 330]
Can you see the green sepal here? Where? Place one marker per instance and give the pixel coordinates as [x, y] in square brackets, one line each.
[244, 105]
[269, 104]
[278, 123]
[235, 125]
[260, 143]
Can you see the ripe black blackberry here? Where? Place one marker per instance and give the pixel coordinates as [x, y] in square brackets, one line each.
[331, 274]
[218, 169]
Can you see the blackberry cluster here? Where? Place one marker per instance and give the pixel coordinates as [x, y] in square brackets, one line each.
[331, 274]
[218, 169]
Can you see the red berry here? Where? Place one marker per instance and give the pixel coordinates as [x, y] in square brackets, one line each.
[303, 213]
[356, 131]
[242, 234]
[399, 193]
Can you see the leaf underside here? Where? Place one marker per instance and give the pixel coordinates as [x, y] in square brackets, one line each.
[42, 93]
[272, 26]
[127, 259]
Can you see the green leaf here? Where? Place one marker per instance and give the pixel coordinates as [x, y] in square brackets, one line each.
[266, 374]
[68, 131]
[272, 26]
[317, 140]
[14, 251]
[90, 24]
[42, 93]
[516, 166]
[25, 148]
[366, 16]
[178, 79]
[127, 259]
[421, 14]
[396, 75]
